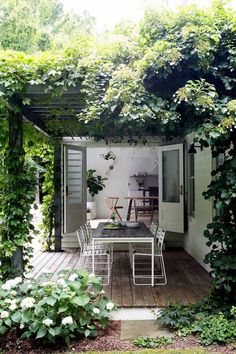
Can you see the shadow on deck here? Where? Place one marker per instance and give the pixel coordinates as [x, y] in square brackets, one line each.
[187, 280]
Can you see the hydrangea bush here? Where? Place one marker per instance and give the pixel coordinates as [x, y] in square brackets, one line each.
[74, 305]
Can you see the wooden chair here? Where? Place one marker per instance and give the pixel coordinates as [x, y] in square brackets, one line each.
[113, 207]
[143, 206]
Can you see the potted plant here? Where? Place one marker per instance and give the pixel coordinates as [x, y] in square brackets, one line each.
[95, 184]
[89, 214]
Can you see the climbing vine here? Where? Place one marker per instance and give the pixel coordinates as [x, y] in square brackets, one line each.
[175, 73]
[40, 149]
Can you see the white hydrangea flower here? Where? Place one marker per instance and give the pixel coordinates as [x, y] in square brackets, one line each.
[67, 320]
[47, 283]
[91, 275]
[13, 306]
[17, 280]
[4, 314]
[48, 322]
[13, 293]
[28, 302]
[61, 282]
[102, 292]
[73, 277]
[22, 326]
[8, 301]
[11, 283]
[28, 276]
[110, 306]
[96, 310]
[6, 286]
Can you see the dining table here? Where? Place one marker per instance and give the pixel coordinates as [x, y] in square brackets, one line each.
[123, 234]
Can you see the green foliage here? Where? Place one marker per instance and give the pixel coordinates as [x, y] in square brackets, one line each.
[41, 25]
[152, 342]
[17, 186]
[41, 149]
[203, 320]
[95, 183]
[42, 309]
[170, 74]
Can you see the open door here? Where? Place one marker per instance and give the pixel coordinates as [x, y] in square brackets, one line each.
[74, 187]
[171, 188]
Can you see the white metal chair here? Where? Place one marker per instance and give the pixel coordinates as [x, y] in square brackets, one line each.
[101, 255]
[135, 247]
[139, 267]
[88, 236]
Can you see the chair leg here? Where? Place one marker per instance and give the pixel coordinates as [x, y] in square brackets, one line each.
[161, 276]
[118, 214]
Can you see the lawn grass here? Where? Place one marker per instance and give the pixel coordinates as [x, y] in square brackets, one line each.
[153, 351]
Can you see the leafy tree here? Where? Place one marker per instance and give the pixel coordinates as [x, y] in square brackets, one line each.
[30, 25]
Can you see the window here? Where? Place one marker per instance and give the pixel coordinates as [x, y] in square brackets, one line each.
[192, 184]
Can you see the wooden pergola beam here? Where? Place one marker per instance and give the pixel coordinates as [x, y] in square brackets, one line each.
[57, 196]
[15, 161]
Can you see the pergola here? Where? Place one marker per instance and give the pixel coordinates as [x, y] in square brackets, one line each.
[55, 116]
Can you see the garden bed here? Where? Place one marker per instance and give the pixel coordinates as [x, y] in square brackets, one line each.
[107, 340]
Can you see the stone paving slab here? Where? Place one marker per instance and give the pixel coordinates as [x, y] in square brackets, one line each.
[143, 328]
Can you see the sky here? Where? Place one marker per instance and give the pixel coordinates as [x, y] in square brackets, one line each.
[109, 12]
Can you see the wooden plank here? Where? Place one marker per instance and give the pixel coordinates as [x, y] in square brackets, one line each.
[64, 263]
[116, 280]
[56, 265]
[126, 293]
[187, 280]
[40, 258]
[46, 268]
[149, 299]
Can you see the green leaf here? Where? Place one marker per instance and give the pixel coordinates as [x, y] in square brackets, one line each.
[16, 317]
[3, 329]
[41, 332]
[81, 300]
[62, 308]
[50, 301]
[52, 332]
[87, 333]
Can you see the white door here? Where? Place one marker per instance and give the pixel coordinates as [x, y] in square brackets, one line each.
[74, 187]
[171, 188]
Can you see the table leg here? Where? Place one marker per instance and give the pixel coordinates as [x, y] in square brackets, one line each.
[152, 262]
[129, 209]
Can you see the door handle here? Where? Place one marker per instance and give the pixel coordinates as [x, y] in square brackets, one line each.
[181, 190]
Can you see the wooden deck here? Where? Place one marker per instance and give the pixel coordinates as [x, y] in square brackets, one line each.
[187, 280]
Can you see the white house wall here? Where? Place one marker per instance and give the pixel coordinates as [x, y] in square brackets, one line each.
[194, 241]
[118, 178]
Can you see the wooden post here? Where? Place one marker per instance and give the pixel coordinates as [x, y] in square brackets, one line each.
[15, 169]
[57, 195]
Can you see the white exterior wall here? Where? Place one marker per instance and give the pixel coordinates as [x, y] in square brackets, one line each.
[118, 178]
[194, 241]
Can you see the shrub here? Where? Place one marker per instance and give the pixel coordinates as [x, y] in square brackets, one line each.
[73, 305]
[199, 319]
[152, 342]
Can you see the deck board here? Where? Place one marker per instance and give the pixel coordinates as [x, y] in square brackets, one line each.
[187, 280]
